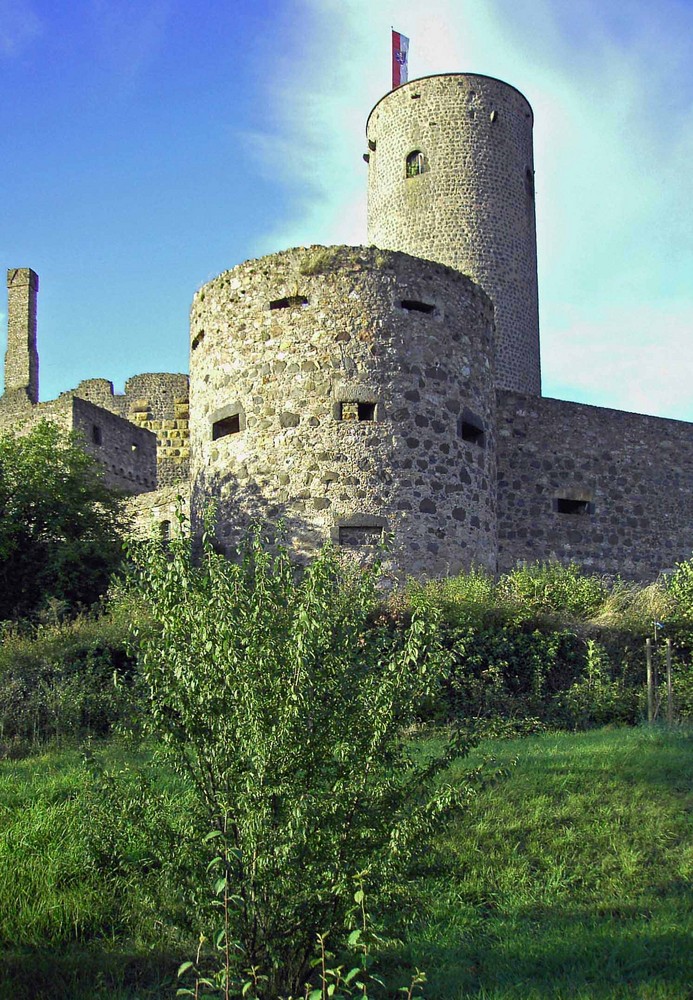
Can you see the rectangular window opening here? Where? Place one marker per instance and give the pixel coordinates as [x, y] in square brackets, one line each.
[565, 505]
[289, 302]
[413, 305]
[473, 433]
[356, 411]
[229, 425]
[96, 435]
[355, 535]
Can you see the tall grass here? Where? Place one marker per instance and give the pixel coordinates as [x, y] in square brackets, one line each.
[568, 879]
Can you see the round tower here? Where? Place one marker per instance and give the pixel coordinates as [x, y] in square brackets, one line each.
[451, 179]
[349, 392]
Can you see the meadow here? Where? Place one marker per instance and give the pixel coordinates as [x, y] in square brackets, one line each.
[568, 877]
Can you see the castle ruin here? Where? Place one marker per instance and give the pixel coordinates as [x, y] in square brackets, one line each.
[392, 389]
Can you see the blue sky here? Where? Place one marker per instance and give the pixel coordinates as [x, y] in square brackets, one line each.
[147, 146]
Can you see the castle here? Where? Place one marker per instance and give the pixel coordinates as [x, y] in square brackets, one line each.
[391, 389]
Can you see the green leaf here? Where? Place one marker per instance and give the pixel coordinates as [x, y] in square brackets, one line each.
[184, 968]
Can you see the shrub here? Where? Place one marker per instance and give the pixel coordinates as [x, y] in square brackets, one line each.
[60, 530]
[66, 679]
[274, 693]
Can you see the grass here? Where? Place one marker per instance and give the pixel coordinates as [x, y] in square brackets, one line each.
[570, 879]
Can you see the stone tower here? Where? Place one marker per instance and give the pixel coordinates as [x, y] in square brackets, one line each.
[21, 359]
[349, 392]
[451, 179]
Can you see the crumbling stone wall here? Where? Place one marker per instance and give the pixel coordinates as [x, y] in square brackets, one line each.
[607, 489]
[126, 452]
[348, 391]
[21, 358]
[158, 402]
[466, 199]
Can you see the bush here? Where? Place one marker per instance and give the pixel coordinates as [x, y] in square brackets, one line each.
[60, 530]
[283, 703]
[65, 680]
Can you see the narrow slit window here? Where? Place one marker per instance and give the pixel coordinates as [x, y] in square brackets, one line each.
[356, 411]
[566, 505]
[198, 340]
[229, 425]
[165, 531]
[356, 535]
[290, 302]
[413, 305]
[415, 163]
[96, 435]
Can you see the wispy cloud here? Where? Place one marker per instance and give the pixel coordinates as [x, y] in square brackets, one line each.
[19, 26]
[612, 91]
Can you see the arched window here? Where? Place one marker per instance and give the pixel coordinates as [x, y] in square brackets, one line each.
[415, 163]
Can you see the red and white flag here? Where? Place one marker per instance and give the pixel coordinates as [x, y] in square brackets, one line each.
[400, 59]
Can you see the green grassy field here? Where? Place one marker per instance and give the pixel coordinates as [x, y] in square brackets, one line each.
[568, 879]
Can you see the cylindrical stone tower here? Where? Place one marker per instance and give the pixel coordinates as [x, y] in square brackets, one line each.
[451, 179]
[348, 391]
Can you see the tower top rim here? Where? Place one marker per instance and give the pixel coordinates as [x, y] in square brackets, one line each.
[434, 76]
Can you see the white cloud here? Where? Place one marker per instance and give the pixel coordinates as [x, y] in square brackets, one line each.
[612, 91]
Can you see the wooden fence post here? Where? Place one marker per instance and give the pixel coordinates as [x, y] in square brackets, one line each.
[670, 687]
[650, 681]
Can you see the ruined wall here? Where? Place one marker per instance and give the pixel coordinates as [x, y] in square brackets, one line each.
[158, 514]
[350, 392]
[608, 489]
[158, 402]
[21, 358]
[467, 200]
[126, 452]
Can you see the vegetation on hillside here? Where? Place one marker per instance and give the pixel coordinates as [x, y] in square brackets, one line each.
[60, 526]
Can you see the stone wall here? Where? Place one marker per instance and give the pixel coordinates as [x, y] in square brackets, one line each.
[607, 489]
[162, 514]
[21, 358]
[469, 201]
[126, 452]
[158, 402]
[348, 391]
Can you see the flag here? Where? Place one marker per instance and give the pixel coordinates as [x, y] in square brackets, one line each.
[400, 59]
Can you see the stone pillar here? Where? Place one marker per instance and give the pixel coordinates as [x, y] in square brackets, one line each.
[21, 359]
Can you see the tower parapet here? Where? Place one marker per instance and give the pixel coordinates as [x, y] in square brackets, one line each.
[451, 179]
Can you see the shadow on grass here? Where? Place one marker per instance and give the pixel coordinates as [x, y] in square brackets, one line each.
[80, 973]
[546, 953]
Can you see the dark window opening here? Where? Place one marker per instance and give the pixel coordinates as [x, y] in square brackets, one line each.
[289, 302]
[96, 435]
[470, 432]
[229, 425]
[354, 535]
[198, 340]
[470, 428]
[165, 531]
[415, 163]
[565, 505]
[412, 305]
[356, 411]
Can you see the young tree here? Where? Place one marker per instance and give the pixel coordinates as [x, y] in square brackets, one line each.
[283, 703]
[60, 526]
